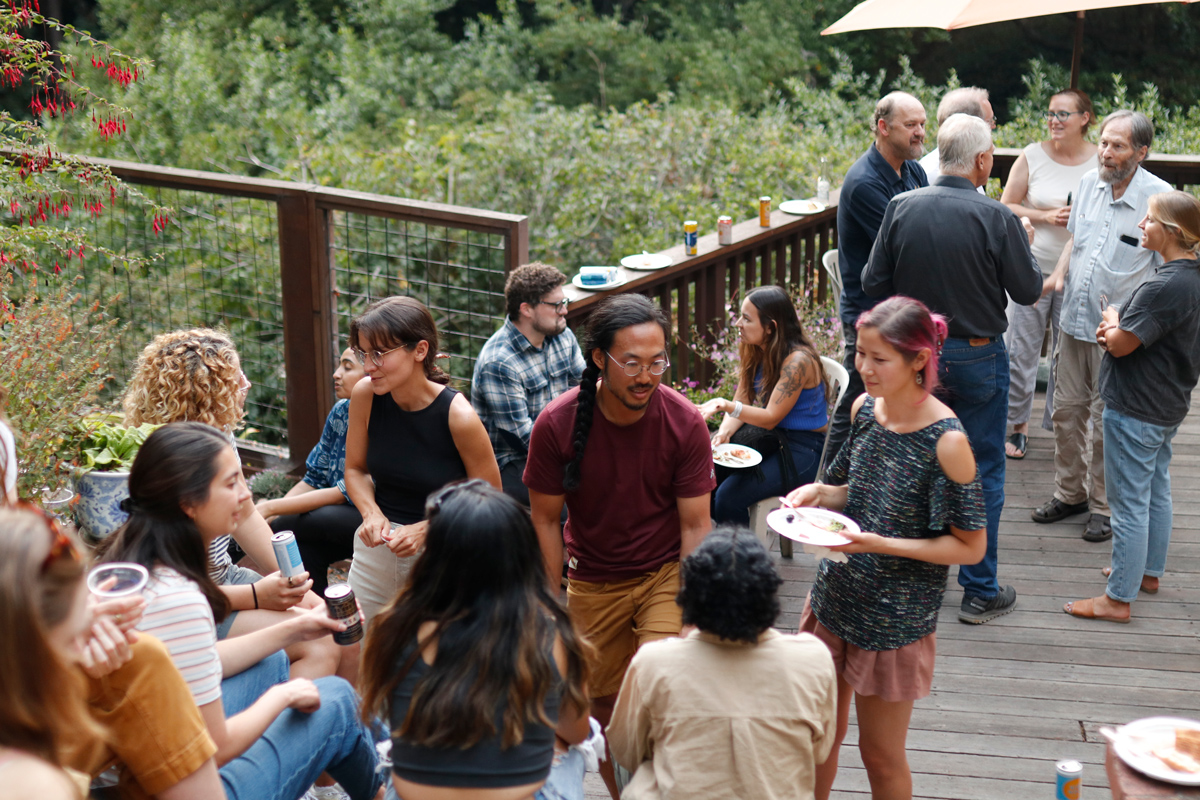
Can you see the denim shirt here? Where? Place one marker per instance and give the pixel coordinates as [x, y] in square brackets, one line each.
[1101, 263]
[327, 462]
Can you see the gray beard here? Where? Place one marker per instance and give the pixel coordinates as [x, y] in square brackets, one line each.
[1115, 175]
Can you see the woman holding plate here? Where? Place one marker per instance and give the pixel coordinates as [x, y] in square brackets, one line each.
[908, 478]
[779, 408]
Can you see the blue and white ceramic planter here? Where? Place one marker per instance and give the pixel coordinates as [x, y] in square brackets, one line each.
[98, 509]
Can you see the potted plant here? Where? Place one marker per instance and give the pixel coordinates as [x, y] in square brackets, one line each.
[106, 451]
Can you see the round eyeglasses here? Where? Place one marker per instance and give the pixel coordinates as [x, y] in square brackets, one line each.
[1061, 116]
[633, 368]
[376, 356]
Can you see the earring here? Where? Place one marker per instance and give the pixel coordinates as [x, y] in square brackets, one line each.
[920, 379]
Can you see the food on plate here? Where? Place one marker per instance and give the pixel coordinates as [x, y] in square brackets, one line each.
[808, 205]
[1176, 760]
[1187, 740]
[733, 457]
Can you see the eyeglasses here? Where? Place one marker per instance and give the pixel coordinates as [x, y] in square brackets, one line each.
[376, 356]
[1061, 116]
[560, 306]
[633, 368]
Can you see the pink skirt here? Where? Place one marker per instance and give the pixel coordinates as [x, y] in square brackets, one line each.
[892, 675]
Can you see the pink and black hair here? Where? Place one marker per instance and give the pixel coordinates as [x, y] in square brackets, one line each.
[910, 327]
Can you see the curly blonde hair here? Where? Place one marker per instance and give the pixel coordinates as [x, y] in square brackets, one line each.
[191, 375]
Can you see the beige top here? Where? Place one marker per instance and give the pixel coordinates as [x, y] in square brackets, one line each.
[703, 717]
[1049, 184]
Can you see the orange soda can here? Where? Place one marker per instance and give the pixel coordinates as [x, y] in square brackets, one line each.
[764, 211]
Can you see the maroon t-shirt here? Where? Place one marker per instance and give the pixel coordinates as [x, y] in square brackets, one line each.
[623, 521]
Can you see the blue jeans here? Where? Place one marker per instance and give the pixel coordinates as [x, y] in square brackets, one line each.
[975, 386]
[735, 495]
[298, 747]
[1137, 456]
[565, 781]
[238, 692]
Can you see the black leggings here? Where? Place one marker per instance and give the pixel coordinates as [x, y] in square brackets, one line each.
[324, 536]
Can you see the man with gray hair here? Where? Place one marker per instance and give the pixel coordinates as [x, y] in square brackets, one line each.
[965, 100]
[1101, 265]
[960, 253]
[888, 168]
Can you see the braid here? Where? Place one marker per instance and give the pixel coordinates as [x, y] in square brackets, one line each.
[584, 412]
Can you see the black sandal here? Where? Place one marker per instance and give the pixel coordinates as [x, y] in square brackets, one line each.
[1019, 441]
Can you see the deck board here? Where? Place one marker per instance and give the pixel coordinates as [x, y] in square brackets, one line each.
[1015, 695]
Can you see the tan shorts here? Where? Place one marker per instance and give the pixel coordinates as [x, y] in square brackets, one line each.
[618, 617]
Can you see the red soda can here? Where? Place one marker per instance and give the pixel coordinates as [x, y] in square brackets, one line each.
[724, 230]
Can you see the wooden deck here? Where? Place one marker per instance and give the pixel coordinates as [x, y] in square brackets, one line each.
[1015, 695]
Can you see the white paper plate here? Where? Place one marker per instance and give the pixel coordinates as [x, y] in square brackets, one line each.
[647, 261]
[1134, 742]
[801, 207]
[806, 525]
[597, 287]
[736, 456]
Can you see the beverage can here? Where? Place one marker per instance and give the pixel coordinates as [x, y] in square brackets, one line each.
[341, 604]
[724, 230]
[691, 237]
[287, 554]
[764, 211]
[1070, 779]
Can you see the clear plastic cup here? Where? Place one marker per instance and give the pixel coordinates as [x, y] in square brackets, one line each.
[130, 579]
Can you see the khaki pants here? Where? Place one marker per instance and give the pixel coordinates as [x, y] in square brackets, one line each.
[1078, 477]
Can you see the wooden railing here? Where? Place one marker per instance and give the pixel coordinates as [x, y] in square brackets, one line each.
[308, 277]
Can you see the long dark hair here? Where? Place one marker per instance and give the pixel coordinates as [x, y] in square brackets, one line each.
[481, 581]
[400, 322]
[782, 334]
[610, 316]
[174, 467]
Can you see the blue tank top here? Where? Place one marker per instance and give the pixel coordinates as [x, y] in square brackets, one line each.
[810, 413]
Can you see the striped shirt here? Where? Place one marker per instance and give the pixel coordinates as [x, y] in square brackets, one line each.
[177, 613]
[219, 560]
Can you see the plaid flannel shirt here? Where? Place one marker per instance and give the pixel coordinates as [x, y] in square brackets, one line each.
[514, 381]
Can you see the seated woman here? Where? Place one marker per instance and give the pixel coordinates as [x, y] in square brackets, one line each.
[779, 408]
[476, 665]
[693, 711]
[274, 736]
[317, 509]
[196, 375]
[410, 434]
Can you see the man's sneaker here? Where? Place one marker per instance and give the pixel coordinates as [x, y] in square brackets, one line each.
[1099, 529]
[1054, 510]
[976, 610]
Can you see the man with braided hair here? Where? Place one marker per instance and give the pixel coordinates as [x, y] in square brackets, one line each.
[632, 462]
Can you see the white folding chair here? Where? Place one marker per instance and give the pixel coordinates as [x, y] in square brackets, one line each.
[830, 262]
[839, 379]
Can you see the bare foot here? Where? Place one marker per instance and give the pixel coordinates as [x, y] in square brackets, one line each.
[1102, 607]
[1149, 582]
[1011, 444]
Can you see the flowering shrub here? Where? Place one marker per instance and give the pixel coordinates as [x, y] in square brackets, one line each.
[718, 344]
[55, 354]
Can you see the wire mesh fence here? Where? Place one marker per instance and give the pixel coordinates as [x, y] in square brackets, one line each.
[458, 273]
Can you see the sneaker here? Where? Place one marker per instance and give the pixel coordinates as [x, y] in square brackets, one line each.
[1054, 510]
[333, 792]
[1099, 529]
[976, 610]
[383, 752]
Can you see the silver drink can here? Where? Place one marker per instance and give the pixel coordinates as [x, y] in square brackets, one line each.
[1070, 780]
[724, 230]
[287, 554]
[340, 602]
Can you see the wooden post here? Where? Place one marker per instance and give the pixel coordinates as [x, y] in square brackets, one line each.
[307, 318]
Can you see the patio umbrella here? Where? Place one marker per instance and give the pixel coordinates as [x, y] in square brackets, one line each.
[951, 14]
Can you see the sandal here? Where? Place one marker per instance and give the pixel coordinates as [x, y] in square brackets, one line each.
[1087, 610]
[1019, 441]
[1106, 571]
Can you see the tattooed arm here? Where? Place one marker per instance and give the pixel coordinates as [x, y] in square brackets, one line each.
[799, 372]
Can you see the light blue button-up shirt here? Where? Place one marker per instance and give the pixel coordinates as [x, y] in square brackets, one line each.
[1101, 263]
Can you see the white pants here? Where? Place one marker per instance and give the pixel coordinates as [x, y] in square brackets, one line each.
[377, 576]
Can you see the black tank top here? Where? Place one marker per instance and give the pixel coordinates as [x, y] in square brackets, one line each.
[484, 765]
[410, 455]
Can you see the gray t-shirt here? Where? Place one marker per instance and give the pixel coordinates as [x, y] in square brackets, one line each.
[1154, 383]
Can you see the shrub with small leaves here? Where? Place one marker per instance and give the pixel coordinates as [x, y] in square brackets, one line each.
[270, 484]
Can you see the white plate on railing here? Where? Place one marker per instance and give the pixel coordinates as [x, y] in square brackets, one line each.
[647, 261]
[1134, 744]
[597, 287]
[801, 207]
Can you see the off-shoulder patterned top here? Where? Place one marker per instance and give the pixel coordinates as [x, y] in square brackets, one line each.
[896, 488]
